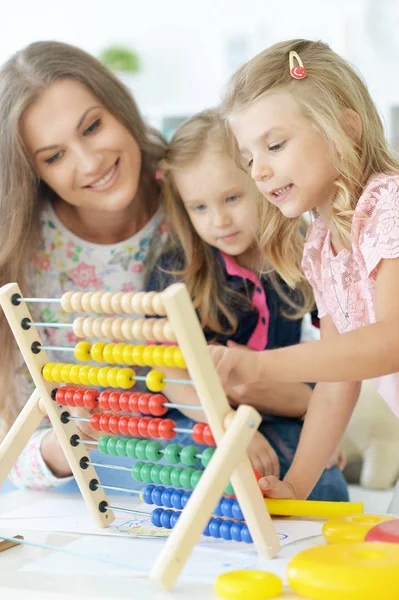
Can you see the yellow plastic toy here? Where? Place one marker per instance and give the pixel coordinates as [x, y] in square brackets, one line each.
[347, 571]
[351, 528]
[245, 585]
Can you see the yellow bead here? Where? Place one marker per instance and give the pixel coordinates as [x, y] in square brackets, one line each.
[242, 585]
[97, 351]
[66, 373]
[74, 374]
[148, 356]
[82, 351]
[93, 375]
[112, 377]
[138, 355]
[108, 354]
[154, 381]
[128, 354]
[125, 378]
[84, 374]
[117, 353]
[103, 376]
[179, 358]
[157, 356]
[47, 371]
[57, 372]
[168, 356]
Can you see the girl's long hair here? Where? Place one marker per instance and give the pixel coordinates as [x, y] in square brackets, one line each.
[330, 87]
[22, 79]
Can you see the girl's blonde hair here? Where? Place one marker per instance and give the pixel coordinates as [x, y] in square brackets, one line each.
[202, 271]
[331, 85]
[22, 79]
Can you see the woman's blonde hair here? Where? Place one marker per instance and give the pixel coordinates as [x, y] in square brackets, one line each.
[22, 79]
[330, 87]
[202, 271]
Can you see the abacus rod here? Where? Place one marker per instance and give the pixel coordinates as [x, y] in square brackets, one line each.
[19, 300]
[127, 510]
[106, 466]
[40, 324]
[118, 489]
[83, 419]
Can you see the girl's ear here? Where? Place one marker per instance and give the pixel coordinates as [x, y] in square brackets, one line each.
[352, 125]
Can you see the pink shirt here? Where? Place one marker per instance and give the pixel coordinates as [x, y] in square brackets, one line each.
[344, 285]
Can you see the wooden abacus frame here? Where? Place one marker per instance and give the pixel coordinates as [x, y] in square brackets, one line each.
[232, 430]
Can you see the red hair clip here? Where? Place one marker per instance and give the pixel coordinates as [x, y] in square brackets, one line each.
[297, 71]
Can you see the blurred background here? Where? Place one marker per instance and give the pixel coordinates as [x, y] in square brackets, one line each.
[186, 49]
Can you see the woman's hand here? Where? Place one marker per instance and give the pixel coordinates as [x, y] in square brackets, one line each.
[272, 487]
[262, 456]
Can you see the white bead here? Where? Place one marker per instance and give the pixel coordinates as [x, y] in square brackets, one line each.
[137, 306]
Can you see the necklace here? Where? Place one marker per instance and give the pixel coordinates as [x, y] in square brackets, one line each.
[344, 311]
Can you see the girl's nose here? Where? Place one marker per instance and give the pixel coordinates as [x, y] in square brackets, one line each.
[260, 170]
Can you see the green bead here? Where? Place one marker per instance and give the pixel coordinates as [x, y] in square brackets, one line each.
[189, 456]
[146, 472]
[229, 489]
[131, 448]
[185, 478]
[175, 476]
[206, 456]
[195, 477]
[154, 451]
[103, 443]
[156, 474]
[172, 454]
[141, 449]
[111, 446]
[121, 447]
[165, 475]
[136, 471]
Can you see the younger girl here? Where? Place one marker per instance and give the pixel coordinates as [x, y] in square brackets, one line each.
[312, 139]
[213, 207]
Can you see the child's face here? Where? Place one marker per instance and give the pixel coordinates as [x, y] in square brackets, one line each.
[80, 149]
[221, 203]
[290, 161]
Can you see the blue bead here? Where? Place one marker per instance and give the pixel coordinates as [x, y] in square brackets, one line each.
[226, 507]
[174, 518]
[236, 510]
[225, 530]
[167, 497]
[206, 531]
[235, 532]
[165, 519]
[156, 517]
[184, 498]
[245, 535]
[147, 494]
[214, 527]
[176, 499]
[218, 510]
[157, 495]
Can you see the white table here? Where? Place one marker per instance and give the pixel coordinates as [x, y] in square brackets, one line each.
[15, 583]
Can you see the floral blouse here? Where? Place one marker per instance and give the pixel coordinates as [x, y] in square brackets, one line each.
[63, 263]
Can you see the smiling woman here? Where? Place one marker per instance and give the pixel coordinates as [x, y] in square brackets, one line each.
[79, 203]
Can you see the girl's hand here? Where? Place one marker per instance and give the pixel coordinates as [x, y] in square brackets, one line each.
[339, 459]
[272, 487]
[234, 366]
[262, 456]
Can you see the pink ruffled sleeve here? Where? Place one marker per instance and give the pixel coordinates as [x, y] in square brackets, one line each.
[377, 222]
[311, 264]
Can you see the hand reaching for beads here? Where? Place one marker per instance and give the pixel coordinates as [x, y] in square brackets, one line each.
[262, 456]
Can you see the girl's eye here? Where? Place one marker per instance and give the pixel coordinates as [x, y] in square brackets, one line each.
[199, 208]
[276, 147]
[92, 127]
[55, 157]
[232, 198]
[250, 163]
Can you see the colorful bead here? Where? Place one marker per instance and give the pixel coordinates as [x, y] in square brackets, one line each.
[146, 472]
[147, 356]
[157, 356]
[84, 374]
[185, 478]
[179, 358]
[141, 450]
[97, 351]
[82, 351]
[136, 471]
[154, 451]
[121, 447]
[156, 473]
[206, 456]
[65, 373]
[127, 355]
[108, 354]
[111, 446]
[166, 429]
[117, 353]
[165, 475]
[154, 381]
[195, 477]
[103, 376]
[189, 456]
[131, 448]
[172, 453]
[156, 405]
[125, 378]
[138, 355]
[103, 444]
[93, 375]
[168, 356]
[175, 476]
[112, 377]
[103, 399]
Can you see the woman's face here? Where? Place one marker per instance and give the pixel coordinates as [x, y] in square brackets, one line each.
[80, 149]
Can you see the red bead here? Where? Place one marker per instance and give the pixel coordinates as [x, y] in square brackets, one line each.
[114, 401]
[114, 424]
[143, 404]
[156, 405]
[78, 397]
[208, 437]
[104, 422]
[124, 401]
[166, 428]
[95, 421]
[133, 426]
[104, 399]
[198, 433]
[69, 397]
[143, 426]
[124, 425]
[153, 428]
[90, 399]
[60, 395]
[133, 402]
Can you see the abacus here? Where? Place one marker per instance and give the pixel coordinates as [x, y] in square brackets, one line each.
[168, 317]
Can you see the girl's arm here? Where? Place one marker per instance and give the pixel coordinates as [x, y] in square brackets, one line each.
[364, 353]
